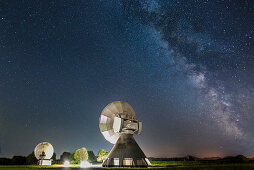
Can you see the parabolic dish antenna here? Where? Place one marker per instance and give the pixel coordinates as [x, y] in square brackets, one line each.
[108, 114]
[118, 123]
[43, 152]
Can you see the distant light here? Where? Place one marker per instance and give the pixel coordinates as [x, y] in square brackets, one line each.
[85, 164]
[66, 163]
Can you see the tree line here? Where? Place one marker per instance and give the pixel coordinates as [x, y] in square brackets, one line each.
[74, 158]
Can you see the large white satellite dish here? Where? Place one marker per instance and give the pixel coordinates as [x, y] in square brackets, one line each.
[108, 115]
[118, 123]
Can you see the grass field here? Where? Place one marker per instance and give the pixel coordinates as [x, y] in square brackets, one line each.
[174, 165]
[206, 165]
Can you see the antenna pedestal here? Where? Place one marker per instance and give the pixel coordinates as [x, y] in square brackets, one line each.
[44, 162]
[126, 153]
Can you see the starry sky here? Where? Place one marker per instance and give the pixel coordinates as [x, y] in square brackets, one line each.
[187, 68]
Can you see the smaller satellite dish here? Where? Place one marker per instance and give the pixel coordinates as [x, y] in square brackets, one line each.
[43, 152]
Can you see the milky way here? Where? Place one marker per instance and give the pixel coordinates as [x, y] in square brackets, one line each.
[215, 66]
[185, 67]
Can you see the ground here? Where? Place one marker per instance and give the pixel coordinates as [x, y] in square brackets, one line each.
[175, 165]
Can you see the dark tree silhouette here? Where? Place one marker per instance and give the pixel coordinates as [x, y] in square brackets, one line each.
[66, 156]
[91, 156]
[31, 159]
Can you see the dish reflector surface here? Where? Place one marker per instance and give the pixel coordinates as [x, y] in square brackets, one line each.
[117, 108]
[45, 147]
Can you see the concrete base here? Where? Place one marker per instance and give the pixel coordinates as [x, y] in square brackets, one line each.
[126, 153]
[44, 162]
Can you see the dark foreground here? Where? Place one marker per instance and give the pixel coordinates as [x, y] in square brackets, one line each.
[175, 165]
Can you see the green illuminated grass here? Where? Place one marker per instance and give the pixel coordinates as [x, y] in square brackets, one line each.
[177, 163]
[206, 165]
[174, 165]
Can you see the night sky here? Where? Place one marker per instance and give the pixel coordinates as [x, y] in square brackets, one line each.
[186, 67]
